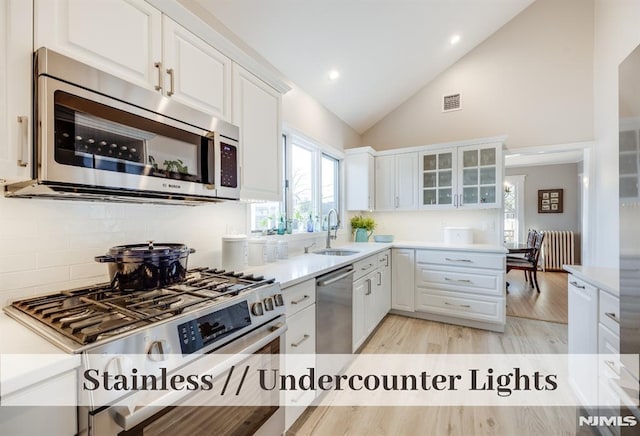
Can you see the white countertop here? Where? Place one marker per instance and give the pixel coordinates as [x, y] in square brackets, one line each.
[607, 279]
[27, 358]
[15, 339]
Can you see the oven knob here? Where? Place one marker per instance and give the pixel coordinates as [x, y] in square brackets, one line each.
[119, 365]
[257, 309]
[157, 350]
[268, 303]
[278, 300]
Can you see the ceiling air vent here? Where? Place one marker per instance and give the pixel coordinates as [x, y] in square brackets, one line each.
[451, 102]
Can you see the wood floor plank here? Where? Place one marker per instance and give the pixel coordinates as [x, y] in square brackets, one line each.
[398, 334]
[549, 305]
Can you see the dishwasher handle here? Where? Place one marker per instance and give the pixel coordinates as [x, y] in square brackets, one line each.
[322, 283]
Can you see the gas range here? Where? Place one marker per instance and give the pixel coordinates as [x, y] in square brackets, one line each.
[210, 307]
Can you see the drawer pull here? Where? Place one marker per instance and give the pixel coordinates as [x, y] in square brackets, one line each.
[612, 367]
[23, 153]
[300, 300]
[364, 268]
[457, 280]
[612, 316]
[457, 260]
[458, 305]
[304, 338]
[576, 285]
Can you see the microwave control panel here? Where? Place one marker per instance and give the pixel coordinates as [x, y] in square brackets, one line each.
[228, 165]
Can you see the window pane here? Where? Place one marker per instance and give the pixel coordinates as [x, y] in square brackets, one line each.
[301, 182]
[329, 183]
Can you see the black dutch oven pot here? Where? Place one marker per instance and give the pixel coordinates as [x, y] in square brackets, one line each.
[148, 266]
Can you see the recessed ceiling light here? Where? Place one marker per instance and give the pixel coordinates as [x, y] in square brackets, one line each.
[455, 39]
[333, 74]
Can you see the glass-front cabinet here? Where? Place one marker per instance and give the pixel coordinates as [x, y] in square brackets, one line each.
[461, 177]
[437, 177]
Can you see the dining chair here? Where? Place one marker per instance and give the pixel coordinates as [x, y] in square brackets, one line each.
[531, 240]
[529, 264]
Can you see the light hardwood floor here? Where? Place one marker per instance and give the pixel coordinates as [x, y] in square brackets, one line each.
[548, 305]
[398, 334]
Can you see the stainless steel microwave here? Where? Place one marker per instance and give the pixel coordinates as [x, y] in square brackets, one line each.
[99, 137]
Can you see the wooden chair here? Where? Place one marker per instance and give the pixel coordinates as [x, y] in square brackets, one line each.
[531, 240]
[529, 264]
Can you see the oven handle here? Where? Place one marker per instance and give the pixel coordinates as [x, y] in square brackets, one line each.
[128, 419]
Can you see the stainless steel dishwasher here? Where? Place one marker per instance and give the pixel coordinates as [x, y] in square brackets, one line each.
[334, 303]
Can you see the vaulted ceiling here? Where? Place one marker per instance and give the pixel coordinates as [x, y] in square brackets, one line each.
[383, 50]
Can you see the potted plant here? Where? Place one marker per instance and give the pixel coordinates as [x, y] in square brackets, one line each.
[362, 227]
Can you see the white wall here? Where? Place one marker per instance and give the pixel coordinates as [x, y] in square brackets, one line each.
[616, 35]
[49, 244]
[531, 80]
[429, 225]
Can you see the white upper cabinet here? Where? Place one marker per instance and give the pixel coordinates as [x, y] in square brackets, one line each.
[360, 178]
[16, 51]
[396, 184]
[197, 74]
[121, 37]
[136, 42]
[461, 177]
[256, 110]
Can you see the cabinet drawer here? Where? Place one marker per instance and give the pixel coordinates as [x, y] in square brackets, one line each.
[490, 283]
[301, 332]
[460, 305]
[461, 258]
[608, 341]
[384, 259]
[300, 296]
[609, 312]
[365, 266]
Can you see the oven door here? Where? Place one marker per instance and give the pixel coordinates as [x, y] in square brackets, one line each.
[189, 420]
[89, 139]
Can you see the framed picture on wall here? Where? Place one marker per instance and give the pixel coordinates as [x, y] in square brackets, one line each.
[550, 200]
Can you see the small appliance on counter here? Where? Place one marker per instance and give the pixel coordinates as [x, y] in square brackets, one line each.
[234, 252]
[458, 235]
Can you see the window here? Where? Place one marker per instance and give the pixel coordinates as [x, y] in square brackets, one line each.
[514, 208]
[311, 189]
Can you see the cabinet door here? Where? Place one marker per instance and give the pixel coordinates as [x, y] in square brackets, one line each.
[359, 169]
[361, 288]
[16, 51]
[403, 279]
[256, 110]
[407, 181]
[480, 176]
[385, 182]
[583, 338]
[122, 37]
[198, 75]
[437, 178]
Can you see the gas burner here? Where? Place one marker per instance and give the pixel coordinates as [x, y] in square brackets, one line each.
[87, 315]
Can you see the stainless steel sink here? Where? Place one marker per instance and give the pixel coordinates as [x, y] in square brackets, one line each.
[336, 252]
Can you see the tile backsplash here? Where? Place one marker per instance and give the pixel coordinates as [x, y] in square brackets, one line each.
[49, 245]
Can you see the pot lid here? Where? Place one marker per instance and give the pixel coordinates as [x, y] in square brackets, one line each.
[148, 250]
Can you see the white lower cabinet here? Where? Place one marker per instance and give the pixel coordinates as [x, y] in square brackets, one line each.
[54, 420]
[459, 287]
[583, 338]
[300, 340]
[402, 279]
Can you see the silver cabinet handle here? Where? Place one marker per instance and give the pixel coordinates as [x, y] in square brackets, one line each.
[457, 280]
[300, 300]
[304, 338]
[458, 305]
[171, 74]
[612, 316]
[457, 260]
[23, 151]
[386, 256]
[379, 278]
[576, 285]
[368, 287]
[160, 84]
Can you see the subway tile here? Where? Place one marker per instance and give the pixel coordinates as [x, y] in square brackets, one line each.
[18, 262]
[87, 270]
[62, 258]
[26, 279]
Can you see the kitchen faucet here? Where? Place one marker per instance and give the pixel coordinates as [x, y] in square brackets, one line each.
[329, 237]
